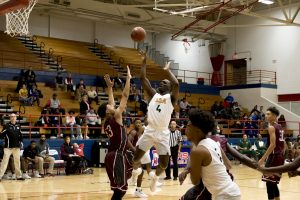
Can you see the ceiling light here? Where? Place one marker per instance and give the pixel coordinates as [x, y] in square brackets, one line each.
[268, 2]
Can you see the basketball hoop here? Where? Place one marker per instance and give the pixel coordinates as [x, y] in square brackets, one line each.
[186, 45]
[17, 20]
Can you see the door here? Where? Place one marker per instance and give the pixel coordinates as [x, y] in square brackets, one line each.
[236, 72]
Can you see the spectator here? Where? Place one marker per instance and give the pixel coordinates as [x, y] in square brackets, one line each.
[71, 122]
[68, 154]
[119, 82]
[24, 96]
[184, 107]
[34, 93]
[84, 105]
[253, 110]
[59, 81]
[44, 118]
[31, 82]
[214, 109]
[282, 122]
[93, 95]
[43, 148]
[261, 113]
[101, 83]
[79, 150]
[54, 104]
[260, 146]
[81, 83]
[132, 93]
[221, 107]
[255, 123]
[236, 111]
[31, 154]
[92, 121]
[80, 92]
[244, 147]
[290, 150]
[69, 83]
[55, 121]
[297, 147]
[229, 99]
[175, 148]
[29, 73]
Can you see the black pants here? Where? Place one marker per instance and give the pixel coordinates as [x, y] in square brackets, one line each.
[71, 167]
[174, 155]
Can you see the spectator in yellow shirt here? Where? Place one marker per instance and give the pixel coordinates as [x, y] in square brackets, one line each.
[23, 96]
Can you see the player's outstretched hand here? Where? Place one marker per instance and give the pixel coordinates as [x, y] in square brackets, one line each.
[261, 162]
[182, 176]
[128, 73]
[167, 65]
[109, 83]
[293, 174]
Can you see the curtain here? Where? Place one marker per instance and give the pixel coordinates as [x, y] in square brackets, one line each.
[217, 62]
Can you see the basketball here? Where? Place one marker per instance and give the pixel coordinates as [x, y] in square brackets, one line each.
[138, 34]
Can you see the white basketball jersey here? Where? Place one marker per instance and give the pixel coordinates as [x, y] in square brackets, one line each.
[160, 110]
[215, 176]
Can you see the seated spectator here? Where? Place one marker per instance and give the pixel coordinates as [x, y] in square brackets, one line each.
[44, 118]
[138, 96]
[59, 81]
[81, 83]
[34, 93]
[79, 150]
[261, 113]
[255, 123]
[92, 121]
[236, 111]
[253, 110]
[119, 82]
[43, 149]
[31, 154]
[214, 109]
[68, 154]
[54, 104]
[281, 121]
[24, 96]
[132, 93]
[80, 92]
[229, 99]
[260, 146]
[71, 123]
[69, 83]
[31, 82]
[297, 147]
[244, 147]
[290, 150]
[221, 106]
[93, 95]
[55, 121]
[184, 107]
[29, 73]
[84, 105]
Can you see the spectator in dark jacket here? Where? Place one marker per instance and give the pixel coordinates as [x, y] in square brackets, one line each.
[31, 154]
[44, 148]
[84, 105]
[68, 154]
[29, 73]
[13, 140]
[59, 81]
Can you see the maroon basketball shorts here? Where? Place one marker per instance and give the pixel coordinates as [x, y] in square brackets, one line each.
[273, 160]
[118, 168]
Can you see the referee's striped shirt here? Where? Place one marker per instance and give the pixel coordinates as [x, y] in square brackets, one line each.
[175, 138]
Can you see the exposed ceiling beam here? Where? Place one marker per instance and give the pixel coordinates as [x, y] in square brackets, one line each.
[283, 9]
[163, 5]
[249, 25]
[295, 15]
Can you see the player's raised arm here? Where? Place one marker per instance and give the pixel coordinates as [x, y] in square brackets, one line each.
[174, 82]
[124, 98]
[145, 82]
[110, 84]
[271, 147]
[293, 166]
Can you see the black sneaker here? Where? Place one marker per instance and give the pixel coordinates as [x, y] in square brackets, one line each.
[21, 179]
[167, 178]
[175, 179]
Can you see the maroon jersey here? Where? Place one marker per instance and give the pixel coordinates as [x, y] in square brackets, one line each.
[135, 139]
[117, 135]
[279, 133]
[221, 140]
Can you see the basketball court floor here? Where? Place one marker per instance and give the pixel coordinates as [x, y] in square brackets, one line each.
[96, 186]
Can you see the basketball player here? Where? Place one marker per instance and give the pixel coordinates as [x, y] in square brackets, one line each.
[117, 163]
[274, 154]
[207, 158]
[133, 137]
[199, 191]
[156, 133]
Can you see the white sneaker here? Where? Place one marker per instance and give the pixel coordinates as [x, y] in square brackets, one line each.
[87, 137]
[25, 176]
[153, 181]
[140, 193]
[6, 177]
[135, 174]
[14, 177]
[159, 184]
[37, 175]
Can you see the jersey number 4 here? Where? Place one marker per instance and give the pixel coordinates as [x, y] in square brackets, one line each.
[158, 108]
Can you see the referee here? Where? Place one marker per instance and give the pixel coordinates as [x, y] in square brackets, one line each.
[175, 145]
[13, 139]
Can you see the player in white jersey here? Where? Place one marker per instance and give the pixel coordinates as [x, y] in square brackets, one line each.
[159, 113]
[206, 158]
